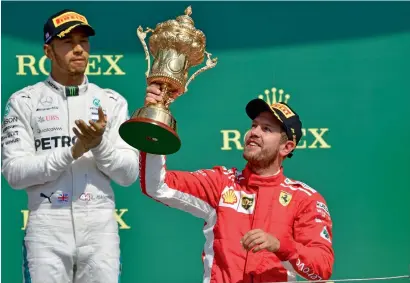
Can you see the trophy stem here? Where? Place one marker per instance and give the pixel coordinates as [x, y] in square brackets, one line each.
[167, 98]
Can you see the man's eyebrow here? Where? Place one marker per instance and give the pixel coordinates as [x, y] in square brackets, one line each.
[263, 123]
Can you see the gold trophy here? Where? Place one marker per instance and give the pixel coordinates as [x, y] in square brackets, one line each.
[176, 46]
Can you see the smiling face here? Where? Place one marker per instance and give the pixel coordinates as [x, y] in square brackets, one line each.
[266, 142]
[69, 55]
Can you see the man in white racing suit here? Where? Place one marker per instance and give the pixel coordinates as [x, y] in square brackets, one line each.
[66, 165]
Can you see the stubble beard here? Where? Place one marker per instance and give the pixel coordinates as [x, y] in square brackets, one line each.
[65, 67]
[261, 159]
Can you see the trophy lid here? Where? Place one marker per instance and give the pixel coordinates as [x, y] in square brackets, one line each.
[186, 19]
[180, 34]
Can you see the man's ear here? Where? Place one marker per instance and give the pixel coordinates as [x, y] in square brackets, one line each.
[287, 148]
[47, 51]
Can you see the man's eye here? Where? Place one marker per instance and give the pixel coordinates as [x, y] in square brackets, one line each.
[267, 129]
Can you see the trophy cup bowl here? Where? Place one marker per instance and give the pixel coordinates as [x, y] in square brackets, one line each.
[176, 46]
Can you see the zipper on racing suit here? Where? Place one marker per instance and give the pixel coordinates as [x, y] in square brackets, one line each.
[253, 220]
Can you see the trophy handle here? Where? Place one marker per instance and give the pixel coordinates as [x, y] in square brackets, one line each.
[210, 63]
[142, 35]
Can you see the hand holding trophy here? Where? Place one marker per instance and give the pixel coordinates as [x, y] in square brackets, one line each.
[176, 46]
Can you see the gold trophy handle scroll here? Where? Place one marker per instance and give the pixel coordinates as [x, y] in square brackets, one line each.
[210, 63]
[142, 35]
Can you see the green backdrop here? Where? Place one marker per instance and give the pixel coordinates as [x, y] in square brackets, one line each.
[345, 66]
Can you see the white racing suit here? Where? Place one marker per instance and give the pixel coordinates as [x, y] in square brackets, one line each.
[71, 224]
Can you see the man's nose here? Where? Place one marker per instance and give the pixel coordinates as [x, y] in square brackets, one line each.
[78, 49]
[255, 131]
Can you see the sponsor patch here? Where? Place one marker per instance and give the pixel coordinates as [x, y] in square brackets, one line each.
[72, 91]
[9, 135]
[325, 234]
[322, 206]
[284, 198]
[47, 108]
[96, 102]
[90, 196]
[293, 182]
[239, 201]
[68, 17]
[283, 109]
[54, 142]
[9, 120]
[247, 203]
[7, 109]
[53, 129]
[308, 272]
[94, 114]
[62, 198]
[229, 197]
[46, 101]
[42, 119]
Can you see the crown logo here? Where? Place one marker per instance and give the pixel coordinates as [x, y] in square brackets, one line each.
[229, 197]
[275, 95]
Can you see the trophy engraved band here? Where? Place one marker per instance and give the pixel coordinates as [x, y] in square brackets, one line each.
[176, 46]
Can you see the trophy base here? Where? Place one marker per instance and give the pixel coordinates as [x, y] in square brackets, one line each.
[151, 129]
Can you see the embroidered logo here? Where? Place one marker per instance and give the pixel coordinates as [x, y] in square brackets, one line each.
[284, 198]
[229, 197]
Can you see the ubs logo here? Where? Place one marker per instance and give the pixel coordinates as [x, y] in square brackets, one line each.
[42, 119]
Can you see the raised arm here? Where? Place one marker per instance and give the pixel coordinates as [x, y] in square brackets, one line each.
[194, 192]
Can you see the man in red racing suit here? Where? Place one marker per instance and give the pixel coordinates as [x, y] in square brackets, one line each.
[260, 226]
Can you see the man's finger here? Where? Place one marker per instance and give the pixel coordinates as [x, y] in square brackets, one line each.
[101, 117]
[251, 238]
[85, 129]
[154, 88]
[79, 134]
[97, 128]
[154, 96]
[256, 241]
[250, 233]
[260, 247]
[91, 122]
[150, 100]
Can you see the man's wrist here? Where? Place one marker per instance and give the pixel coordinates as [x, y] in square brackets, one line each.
[286, 248]
[73, 153]
[100, 147]
[276, 245]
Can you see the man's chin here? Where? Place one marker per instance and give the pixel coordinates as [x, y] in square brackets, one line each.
[77, 72]
[250, 156]
[258, 158]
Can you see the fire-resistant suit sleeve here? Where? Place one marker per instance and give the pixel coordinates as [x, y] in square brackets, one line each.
[21, 166]
[194, 192]
[114, 157]
[310, 252]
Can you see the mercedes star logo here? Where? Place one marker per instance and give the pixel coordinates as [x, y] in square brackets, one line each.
[46, 101]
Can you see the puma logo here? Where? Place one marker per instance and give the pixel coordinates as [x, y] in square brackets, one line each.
[44, 196]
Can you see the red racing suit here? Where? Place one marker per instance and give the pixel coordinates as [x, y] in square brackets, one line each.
[234, 202]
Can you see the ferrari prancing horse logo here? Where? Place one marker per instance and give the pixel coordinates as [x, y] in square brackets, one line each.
[284, 198]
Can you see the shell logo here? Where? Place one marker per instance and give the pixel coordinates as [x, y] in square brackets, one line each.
[229, 197]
